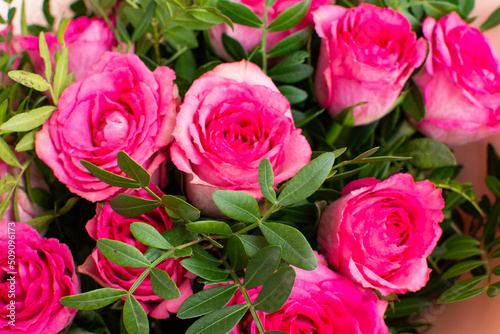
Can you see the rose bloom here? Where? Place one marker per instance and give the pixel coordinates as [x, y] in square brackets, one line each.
[118, 105]
[367, 54]
[379, 234]
[87, 40]
[110, 225]
[250, 37]
[26, 209]
[44, 272]
[460, 83]
[321, 302]
[233, 117]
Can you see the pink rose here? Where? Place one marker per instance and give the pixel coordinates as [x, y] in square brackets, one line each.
[379, 234]
[118, 105]
[250, 37]
[321, 302]
[26, 209]
[110, 225]
[87, 40]
[460, 83]
[43, 272]
[367, 55]
[233, 117]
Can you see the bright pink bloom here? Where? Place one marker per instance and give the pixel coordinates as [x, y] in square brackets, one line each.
[367, 55]
[44, 272]
[87, 40]
[321, 302]
[233, 117]
[379, 234]
[118, 105]
[110, 225]
[460, 83]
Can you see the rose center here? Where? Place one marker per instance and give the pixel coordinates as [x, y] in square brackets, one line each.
[113, 130]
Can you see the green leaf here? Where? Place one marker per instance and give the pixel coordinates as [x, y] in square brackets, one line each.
[461, 253]
[206, 301]
[122, 254]
[291, 43]
[61, 73]
[163, 286]
[143, 24]
[234, 48]
[462, 267]
[133, 169]
[207, 16]
[220, 321]
[210, 226]
[270, 3]
[131, 206]
[28, 120]
[428, 153]
[70, 203]
[46, 13]
[493, 290]
[239, 13]
[7, 155]
[253, 243]
[188, 20]
[290, 17]
[307, 180]
[204, 269]
[439, 9]
[461, 291]
[135, 318]
[6, 183]
[496, 270]
[491, 224]
[295, 249]
[180, 208]
[461, 241]
[108, 177]
[45, 54]
[276, 290]
[237, 205]
[413, 104]
[94, 299]
[494, 185]
[122, 30]
[407, 307]
[294, 95]
[27, 142]
[149, 236]
[30, 80]
[492, 21]
[200, 253]
[235, 251]
[266, 180]
[290, 74]
[180, 36]
[262, 265]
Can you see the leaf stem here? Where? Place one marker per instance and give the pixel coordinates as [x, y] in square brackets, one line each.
[263, 42]
[464, 195]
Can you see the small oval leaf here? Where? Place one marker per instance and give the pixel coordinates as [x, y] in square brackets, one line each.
[132, 206]
[237, 205]
[149, 236]
[135, 318]
[206, 301]
[163, 286]
[220, 321]
[133, 169]
[108, 177]
[210, 226]
[122, 254]
[28, 120]
[30, 80]
[276, 290]
[204, 269]
[94, 299]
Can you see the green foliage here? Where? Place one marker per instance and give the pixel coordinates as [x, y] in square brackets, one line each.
[237, 205]
[122, 254]
[132, 206]
[220, 321]
[94, 299]
[276, 290]
[206, 301]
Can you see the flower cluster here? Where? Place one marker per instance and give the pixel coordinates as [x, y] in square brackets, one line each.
[286, 170]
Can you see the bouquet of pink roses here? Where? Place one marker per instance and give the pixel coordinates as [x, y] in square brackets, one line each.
[237, 166]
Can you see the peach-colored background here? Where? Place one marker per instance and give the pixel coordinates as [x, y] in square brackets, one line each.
[479, 315]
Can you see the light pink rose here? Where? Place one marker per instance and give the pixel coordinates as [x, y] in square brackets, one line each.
[44, 272]
[110, 225]
[26, 209]
[233, 117]
[87, 40]
[321, 302]
[250, 37]
[367, 54]
[118, 105]
[379, 234]
[460, 83]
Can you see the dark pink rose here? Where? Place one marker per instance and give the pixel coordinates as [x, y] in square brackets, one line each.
[26, 209]
[110, 225]
[321, 302]
[379, 234]
[250, 37]
[367, 55]
[43, 272]
[118, 105]
[87, 40]
[460, 83]
[233, 117]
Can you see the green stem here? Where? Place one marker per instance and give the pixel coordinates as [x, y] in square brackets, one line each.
[102, 13]
[13, 191]
[464, 195]
[263, 42]
[269, 212]
[245, 294]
